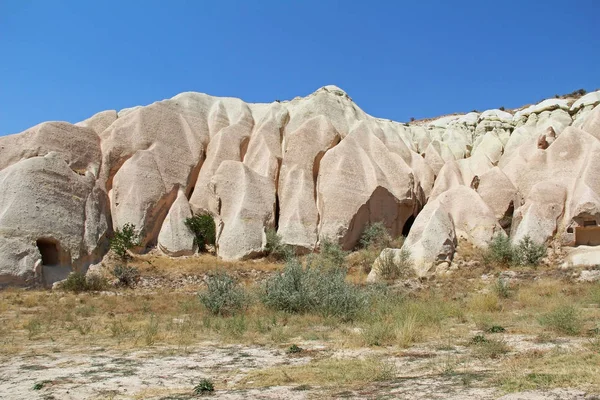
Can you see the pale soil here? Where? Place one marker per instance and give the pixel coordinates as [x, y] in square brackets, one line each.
[56, 345]
[421, 372]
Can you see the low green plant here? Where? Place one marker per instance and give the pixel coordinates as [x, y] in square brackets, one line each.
[527, 252]
[495, 329]
[393, 265]
[205, 386]
[500, 251]
[293, 349]
[275, 248]
[75, 282]
[502, 288]
[124, 239]
[40, 385]
[563, 319]
[314, 288]
[478, 339]
[223, 296]
[79, 282]
[331, 255]
[375, 235]
[127, 276]
[491, 348]
[204, 230]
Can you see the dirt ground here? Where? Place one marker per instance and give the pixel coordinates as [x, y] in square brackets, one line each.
[156, 341]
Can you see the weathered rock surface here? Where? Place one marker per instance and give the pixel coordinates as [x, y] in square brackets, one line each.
[314, 167]
[175, 239]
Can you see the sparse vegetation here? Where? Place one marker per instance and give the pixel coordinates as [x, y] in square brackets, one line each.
[527, 252]
[502, 288]
[205, 386]
[375, 234]
[275, 248]
[204, 230]
[223, 296]
[78, 282]
[563, 319]
[331, 255]
[314, 287]
[127, 276]
[502, 252]
[124, 239]
[342, 319]
[392, 267]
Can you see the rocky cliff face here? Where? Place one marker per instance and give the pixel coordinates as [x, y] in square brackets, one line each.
[312, 167]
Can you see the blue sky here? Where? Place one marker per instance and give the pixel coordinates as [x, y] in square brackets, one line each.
[66, 60]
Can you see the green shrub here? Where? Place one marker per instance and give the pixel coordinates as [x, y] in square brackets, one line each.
[291, 290]
[331, 255]
[223, 296]
[204, 230]
[95, 283]
[563, 319]
[124, 239]
[337, 298]
[293, 349]
[78, 282]
[127, 276]
[527, 252]
[502, 288]
[500, 250]
[275, 248]
[375, 235]
[204, 386]
[314, 288]
[391, 268]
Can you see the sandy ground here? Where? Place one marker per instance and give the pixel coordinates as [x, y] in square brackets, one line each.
[171, 373]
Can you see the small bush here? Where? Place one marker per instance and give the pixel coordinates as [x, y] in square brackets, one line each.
[375, 235]
[502, 108]
[313, 289]
[491, 348]
[564, 319]
[293, 349]
[495, 329]
[502, 288]
[204, 230]
[275, 248]
[204, 386]
[331, 255]
[95, 283]
[78, 282]
[500, 251]
[527, 252]
[391, 267]
[223, 296]
[127, 276]
[124, 239]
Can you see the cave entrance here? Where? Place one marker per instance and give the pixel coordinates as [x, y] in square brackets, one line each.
[407, 225]
[588, 234]
[50, 251]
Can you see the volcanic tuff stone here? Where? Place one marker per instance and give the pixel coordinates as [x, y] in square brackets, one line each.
[313, 168]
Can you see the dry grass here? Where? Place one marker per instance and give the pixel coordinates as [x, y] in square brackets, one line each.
[556, 368]
[323, 372]
[445, 315]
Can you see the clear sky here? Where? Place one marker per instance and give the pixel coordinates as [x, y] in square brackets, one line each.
[66, 60]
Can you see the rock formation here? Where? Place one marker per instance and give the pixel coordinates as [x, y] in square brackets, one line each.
[312, 168]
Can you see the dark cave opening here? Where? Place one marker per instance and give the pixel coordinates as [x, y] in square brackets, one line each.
[49, 249]
[407, 225]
